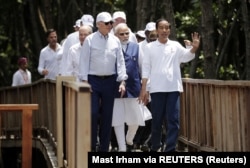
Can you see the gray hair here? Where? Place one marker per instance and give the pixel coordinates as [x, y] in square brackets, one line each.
[84, 27]
[120, 26]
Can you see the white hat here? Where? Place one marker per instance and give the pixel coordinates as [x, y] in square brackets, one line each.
[150, 26]
[141, 33]
[119, 14]
[78, 23]
[104, 17]
[87, 20]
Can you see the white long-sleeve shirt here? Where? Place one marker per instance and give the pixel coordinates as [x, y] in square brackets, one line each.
[72, 65]
[48, 59]
[102, 56]
[161, 64]
[21, 77]
[72, 39]
[142, 46]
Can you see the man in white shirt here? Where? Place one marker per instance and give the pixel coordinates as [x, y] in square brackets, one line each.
[22, 76]
[77, 24]
[101, 65]
[161, 64]
[120, 17]
[142, 137]
[150, 26]
[72, 64]
[48, 60]
[72, 38]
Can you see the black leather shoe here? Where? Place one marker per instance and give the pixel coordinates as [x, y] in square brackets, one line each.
[114, 149]
[130, 148]
[145, 148]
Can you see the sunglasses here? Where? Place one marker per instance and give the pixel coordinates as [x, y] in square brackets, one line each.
[122, 34]
[106, 23]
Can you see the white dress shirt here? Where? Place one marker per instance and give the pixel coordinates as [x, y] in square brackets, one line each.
[142, 46]
[102, 56]
[72, 64]
[49, 60]
[72, 39]
[161, 64]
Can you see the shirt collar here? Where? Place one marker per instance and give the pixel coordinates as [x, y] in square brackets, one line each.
[57, 47]
[102, 36]
[161, 44]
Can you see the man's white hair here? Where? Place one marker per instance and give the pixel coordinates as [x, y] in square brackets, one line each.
[120, 26]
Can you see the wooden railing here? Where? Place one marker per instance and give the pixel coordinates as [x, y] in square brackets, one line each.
[62, 120]
[215, 115]
[26, 110]
[76, 117]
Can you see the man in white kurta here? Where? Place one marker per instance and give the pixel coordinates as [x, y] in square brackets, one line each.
[22, 76]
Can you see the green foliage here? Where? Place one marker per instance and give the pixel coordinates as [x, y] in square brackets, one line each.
[17, 33]
[228, 73]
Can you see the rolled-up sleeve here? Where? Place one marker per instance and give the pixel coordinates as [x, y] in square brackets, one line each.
[121, 68]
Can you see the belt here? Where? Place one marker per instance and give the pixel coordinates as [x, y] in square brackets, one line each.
[102, 76]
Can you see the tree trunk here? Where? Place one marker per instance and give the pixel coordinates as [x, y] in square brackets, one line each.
[168, 13]
[141, 11]
[207, 33]
[246, 26]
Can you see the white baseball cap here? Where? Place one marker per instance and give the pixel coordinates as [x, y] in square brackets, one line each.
[87, 20]
[103, 17]
[141, 33]
[119, 14]
[78, 23]
[150, 26]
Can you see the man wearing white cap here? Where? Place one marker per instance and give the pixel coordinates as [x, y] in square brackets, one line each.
[101, 65]
[72, 64]
[77, 24]
[143, 133]
[149, 27]
[72, 38]
[140, 35]
[120, 17]
[87, 20]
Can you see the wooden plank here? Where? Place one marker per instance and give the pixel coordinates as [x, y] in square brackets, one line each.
[83, 128]
[213, 115]
[218, 123]
[18, 107]
[236, 118]
[59, 116]
[27, 138]
[224, 119]
[229, 126]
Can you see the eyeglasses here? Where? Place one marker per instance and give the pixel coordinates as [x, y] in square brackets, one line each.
[106, 23]
[122, 34]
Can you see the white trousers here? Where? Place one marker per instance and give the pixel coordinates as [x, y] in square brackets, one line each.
[120, 136]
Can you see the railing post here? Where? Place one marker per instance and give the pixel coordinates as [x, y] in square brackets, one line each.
[26, 138]
[59, 116]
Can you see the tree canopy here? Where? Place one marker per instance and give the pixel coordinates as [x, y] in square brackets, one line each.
[223, 24]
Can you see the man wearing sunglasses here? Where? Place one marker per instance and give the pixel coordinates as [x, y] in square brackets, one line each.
[127, 110]
[120, 17]
[102, 65]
